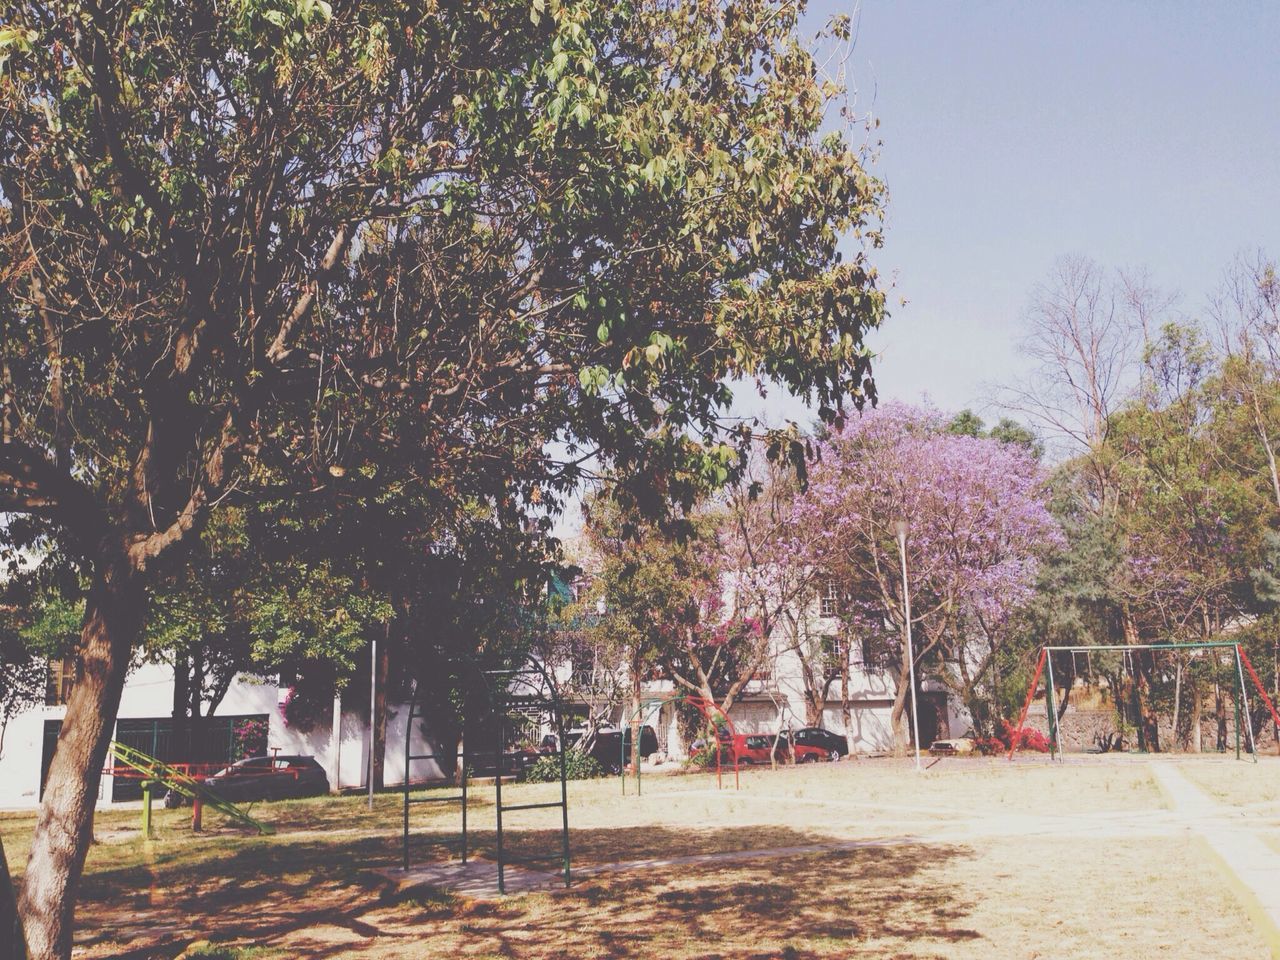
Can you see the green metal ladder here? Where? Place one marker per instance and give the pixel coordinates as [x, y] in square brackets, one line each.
[186, 785]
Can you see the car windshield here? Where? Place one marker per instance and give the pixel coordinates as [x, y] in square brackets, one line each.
[248, 765]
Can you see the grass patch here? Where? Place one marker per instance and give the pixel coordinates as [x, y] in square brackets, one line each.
[1241, 783]
[973, 860]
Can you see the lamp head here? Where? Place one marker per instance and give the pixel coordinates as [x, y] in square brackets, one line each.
[900, 528]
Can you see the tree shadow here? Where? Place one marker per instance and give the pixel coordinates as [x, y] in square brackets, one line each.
[314, 899]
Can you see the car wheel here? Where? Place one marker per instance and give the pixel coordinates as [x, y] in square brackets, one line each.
[835, 755]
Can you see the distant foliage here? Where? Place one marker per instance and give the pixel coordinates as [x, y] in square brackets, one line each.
[703, 758]
[978, 529]
[1029, 739]
[304, 709]
[250, 738]
[577, 766]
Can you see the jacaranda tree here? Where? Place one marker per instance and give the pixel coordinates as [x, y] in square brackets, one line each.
[286, 249]
[977, 527]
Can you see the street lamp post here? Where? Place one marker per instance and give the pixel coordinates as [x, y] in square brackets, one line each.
[900, 529]
[373, 714]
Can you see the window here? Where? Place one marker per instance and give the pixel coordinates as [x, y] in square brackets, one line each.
[829, 601]
[60, 677]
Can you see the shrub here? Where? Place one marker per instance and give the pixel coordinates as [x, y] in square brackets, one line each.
[305, 711]
[1029, 739]
[577, 766]
[989, 746]
[704, 758]
[250, 739]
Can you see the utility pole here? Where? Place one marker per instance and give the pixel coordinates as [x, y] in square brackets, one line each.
[373, 699]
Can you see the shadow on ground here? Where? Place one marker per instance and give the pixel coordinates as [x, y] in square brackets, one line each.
[314, 899]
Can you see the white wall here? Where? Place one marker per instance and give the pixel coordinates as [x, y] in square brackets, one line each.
[148, 693]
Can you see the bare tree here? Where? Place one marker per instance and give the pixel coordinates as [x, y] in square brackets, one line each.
[1084, 333]
[1246, 316]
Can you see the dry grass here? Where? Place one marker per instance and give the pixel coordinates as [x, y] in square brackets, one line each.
[1241, 783]
[981, 859]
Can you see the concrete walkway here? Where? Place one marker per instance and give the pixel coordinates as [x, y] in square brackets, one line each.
[477, 878]
[1255, 864]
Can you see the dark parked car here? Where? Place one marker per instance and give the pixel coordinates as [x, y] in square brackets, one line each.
[264, 778]
[612, 745]
[609, 745]
[811, 752]
[833, 743]
[481, 762]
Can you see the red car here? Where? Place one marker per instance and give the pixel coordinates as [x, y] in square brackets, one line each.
[759, 749]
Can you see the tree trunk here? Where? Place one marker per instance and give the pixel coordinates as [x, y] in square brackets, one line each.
[1068, 685]
[64, 824]
[380, 718]
[897, 719]
[968, 694]
[1197, 705]
[1275, 694]
[813, 712]
[846, 713]
[182, 707]
[1220, 711]
[635, 719]
[941, 718]
[1141, 668]
[196, 690]
[1260, 422]
[12, 946]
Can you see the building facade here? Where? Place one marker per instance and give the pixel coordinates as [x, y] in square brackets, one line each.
[251, 706]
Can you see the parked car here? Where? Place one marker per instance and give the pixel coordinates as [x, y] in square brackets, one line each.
[482, 762]
[759, 749]
[612, 746]
[609, 745]
[754, 748]
[812, 753]
[956, 746]
[833, 743]
[264, 778]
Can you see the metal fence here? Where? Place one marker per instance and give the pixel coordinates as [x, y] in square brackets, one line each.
[211, 740]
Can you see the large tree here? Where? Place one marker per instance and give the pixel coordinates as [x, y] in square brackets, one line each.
[284, 249]
[978, 528]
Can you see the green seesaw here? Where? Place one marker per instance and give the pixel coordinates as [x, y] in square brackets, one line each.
[158, 772]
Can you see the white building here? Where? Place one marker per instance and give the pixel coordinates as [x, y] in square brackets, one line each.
[774, 699]
[146, 717]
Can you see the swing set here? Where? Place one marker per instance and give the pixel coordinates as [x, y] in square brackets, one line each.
[1044, 665]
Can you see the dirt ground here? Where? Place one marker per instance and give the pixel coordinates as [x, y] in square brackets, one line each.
[971, 859]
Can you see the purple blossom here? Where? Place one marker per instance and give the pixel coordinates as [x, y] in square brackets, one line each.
[976, 510]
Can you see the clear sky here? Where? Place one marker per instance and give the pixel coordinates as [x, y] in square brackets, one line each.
[1139, 134]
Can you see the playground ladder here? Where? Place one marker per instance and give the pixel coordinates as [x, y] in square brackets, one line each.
[507, 700]
[410, 756]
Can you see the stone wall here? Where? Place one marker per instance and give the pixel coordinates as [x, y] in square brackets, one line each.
[1081, 730]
